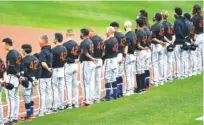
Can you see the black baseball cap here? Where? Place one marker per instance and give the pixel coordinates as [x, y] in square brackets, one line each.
[114, 24]
[85, 31]
[187, 16]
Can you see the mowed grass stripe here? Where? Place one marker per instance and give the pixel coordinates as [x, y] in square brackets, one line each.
[177, 103]
[61, 15]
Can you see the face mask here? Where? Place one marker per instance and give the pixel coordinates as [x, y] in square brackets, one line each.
[81, 37]
[42, 44]
[124, 28]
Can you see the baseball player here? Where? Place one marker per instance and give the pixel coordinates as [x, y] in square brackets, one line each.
[71, 71]
[87, 51]
[181, 31]
[197, 20]
[98, 51]
[31, 70]
[13, 61]
[122, 49]
[140, 58]
[130, 58]
[59, 59]
[45, 59]
[191, 53]
[111, 67]
[147, 57]
[2, 80]
[159, 42]
[168, 55]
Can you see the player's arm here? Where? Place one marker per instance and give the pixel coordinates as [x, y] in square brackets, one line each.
[42, 59]
[85, 51]
[140, 40]
[154, 39]
[24, 72]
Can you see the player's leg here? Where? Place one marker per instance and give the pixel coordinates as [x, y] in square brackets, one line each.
[75, 85]
[86, 80]
[81, 80]
[177, 56]
[128, 74]
[92, 68]
[119, 75]
[15, 80]
[68, 83]
[55, 90]
[114, 72]
[133, 74]
[161, 66]
[98, 71]
[147, 68]
[170, 65]
[27, 101]
[32, 102]
[1, 107]
[165, 64]
[60, 88]
[155, 56]
[142, 56]
[107, 78]
[42, 91]
[48, 96]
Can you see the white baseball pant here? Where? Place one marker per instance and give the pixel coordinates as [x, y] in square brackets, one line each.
[120, 64]
[179, 55]
[71, 71]
[88, 70]
[157, 63]
[58, 88]
[45, 92]
[130, 72]
[200, 52]
[1, 106]
[170, 63]
[147, 60]
[96, 87]
[13, 98]
[110, 70]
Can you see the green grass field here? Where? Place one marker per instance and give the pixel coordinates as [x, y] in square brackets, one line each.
[177, 103]
[63, 15]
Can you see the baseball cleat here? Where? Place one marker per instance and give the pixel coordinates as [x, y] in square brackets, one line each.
[26, 118]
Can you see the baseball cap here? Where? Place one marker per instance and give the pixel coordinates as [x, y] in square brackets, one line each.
[187, 16]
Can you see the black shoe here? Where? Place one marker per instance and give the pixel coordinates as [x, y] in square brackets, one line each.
[15, 121]
[137, 91]
[54, 111]
[106, 99]
[8, 123]
[61, 110]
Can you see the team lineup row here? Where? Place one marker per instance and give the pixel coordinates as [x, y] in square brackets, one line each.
[172, 51]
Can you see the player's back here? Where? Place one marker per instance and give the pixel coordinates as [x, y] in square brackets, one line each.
[198, 23]
[158, 31]
[13, 60]
[131, 41]
[111, 47]
[98, 45]
[59, 56]
[30, 65]
[72, 50]
[121, 41]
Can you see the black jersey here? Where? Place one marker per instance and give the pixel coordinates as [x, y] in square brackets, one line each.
[168, 30]
[13, 61]
[30, 67]
[198, 23]
[72, 51]
[59, 56]
[121, 41]
[141, 38]
[111, 48]
[86, 46]
[98, 46]
[157, 31]
[131, 41]
[47, 57]
[2, 68]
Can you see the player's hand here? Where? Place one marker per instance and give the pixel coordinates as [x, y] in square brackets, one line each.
[50, 69]
[136, 54]
[163, 43]
[35, 83]
[94, 60]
